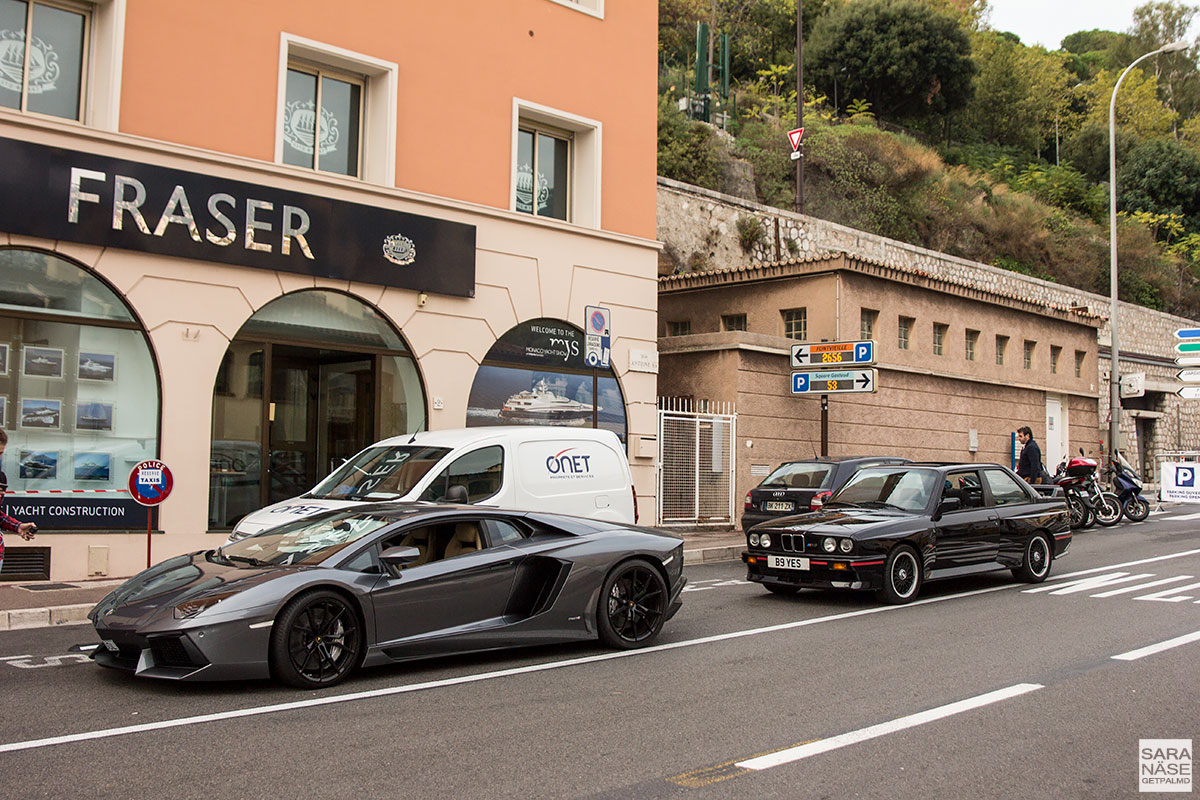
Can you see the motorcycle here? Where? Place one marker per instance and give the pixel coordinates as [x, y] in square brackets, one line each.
[1087, 502]
[1128, 484]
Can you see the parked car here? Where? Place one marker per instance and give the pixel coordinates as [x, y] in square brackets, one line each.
[578, 471]
[798, 486]
[310, 601]
[892, 528]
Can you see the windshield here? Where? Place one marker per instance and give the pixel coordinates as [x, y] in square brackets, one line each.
[380, 473]
[894, 487]
[305, 541]
[798, 475]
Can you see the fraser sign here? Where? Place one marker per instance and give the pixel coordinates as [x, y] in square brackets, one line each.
[53, 193]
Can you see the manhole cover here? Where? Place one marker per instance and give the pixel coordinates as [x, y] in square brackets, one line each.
[43, 587]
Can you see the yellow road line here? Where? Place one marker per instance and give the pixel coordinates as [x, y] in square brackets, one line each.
[707, 776]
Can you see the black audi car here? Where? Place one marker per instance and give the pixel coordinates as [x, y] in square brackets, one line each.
[798, 486]
[892, 528]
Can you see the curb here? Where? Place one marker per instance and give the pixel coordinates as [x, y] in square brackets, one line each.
[704, 555]
[25, 618]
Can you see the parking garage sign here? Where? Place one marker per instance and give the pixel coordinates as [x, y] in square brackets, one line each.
[150, 482]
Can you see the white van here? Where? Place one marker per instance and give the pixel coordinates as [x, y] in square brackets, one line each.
[579, 471]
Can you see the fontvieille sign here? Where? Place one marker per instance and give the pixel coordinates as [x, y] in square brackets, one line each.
[54, 193]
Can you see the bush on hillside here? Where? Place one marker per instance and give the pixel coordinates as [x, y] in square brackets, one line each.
[687, 151]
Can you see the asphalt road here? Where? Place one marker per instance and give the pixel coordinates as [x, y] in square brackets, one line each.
[983, 688]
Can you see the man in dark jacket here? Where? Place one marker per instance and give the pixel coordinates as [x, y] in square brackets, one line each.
[1029, 465]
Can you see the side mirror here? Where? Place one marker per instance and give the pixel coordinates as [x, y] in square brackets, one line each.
[455, 493]
[400, 556]
[949, 504]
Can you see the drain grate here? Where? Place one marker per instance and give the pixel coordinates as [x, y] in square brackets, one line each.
[43, 587]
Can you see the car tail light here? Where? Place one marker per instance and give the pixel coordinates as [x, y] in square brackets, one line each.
[818, 500]
[749, 505]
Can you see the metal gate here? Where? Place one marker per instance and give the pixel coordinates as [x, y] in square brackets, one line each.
[696, 462]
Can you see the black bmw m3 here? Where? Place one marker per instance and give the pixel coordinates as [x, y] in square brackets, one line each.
[892, 528]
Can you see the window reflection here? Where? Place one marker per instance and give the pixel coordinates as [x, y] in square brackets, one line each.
[41, 58]
[322, 122]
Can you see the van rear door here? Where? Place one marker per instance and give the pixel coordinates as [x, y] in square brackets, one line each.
[586, 477]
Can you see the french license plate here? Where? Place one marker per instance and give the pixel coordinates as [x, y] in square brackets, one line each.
[776, 505]
[110, 645]
[787, 562]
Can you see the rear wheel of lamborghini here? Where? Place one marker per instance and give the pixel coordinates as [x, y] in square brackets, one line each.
[632, 606]
[316, 640]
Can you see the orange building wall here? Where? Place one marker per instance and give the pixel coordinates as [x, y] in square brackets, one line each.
[206, 75]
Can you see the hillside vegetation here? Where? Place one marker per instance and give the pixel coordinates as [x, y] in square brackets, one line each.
[967, 171]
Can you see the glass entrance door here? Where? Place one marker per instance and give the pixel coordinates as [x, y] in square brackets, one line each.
[321, 412]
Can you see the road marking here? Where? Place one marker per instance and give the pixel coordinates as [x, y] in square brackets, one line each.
[1087, 584]
[863, 734]
[1150, 650]
[1165, 595]
[1140, 586]
[10, 658]
[707, 776]
[1184, 518]
[1126, 564]
[31, 744]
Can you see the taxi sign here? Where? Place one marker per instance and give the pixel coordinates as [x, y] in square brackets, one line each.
[818, 354]
[834, 381]
[150, 482]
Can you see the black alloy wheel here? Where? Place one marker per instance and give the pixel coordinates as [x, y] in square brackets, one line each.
[901, 576]
[316, 641]
[1136, 510]
[632, 605]
[1039, 554]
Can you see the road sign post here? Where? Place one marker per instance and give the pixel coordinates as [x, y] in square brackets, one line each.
[150, 483]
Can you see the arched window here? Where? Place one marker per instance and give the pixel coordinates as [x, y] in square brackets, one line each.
[79, 392]
[535, 374]
[310, 379]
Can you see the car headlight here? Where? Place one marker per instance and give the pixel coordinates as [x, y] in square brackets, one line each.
[847, 545]
[190, 608]
[765, 539]
[830, 544]
[754, 540]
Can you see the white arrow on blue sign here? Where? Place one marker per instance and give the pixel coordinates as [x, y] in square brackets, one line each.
[1187, 333]
[834, 381]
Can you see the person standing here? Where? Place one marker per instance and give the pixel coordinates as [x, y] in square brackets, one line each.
[7, 523]
[1029, 465]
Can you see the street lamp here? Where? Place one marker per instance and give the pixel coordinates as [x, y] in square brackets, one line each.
[1114, 402]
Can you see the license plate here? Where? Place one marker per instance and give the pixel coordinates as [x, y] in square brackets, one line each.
[110, 645]
[776, 505]
[787, 562]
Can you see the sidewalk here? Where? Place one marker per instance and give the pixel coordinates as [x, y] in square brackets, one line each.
[43, 604]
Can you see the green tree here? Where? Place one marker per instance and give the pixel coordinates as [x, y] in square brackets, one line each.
[687, 150]
[1138, 106]
[909, 59]
[1161, 22]
[1161, 177]
[677, 29]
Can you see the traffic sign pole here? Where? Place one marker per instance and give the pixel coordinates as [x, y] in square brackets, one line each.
[150, 483]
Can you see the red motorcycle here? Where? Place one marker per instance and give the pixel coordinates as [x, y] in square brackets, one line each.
[1086, 501]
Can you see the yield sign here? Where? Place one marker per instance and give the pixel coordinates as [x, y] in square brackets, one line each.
[794, 137]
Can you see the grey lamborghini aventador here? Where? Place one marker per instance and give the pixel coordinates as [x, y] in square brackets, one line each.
[311, 600]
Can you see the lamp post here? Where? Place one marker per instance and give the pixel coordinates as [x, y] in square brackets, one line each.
[1114, 402]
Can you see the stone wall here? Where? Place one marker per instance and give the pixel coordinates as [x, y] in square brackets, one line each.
[699, 229]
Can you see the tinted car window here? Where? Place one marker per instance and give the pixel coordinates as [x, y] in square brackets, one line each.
[481, 472]
[798, 475]
[379, 473]
[966, 487]
[1005, 489]
[908, 489]
[504, 532]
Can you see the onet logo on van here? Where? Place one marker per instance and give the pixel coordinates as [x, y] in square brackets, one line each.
[566, 466]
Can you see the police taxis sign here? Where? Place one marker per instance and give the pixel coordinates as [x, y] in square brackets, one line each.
[150, 482]
[833, 381]
[829, 353]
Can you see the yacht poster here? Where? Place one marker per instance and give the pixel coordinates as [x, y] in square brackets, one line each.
[97, 367]
[504, 395]
[3, 359]
[93, 466]
[42, 362]
[41, 414]
[38, 464]
[93, 417]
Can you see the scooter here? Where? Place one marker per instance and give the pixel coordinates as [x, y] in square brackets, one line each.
[1128, 484]
[1087, 503]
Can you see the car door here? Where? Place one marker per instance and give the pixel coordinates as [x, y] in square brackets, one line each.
[1015, 511]
[967, 535]
[445, 595]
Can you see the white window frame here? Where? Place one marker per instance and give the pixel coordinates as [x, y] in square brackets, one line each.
[320, 72]
[583, 202]
[593, 8]
[103, 55]
[381, 81]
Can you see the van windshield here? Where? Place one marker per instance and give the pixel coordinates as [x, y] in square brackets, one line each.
[380, 473]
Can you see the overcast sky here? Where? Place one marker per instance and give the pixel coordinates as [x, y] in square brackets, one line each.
[1046, 22]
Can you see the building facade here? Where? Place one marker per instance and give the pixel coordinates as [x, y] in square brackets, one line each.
[958, 367]
[357, 221]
